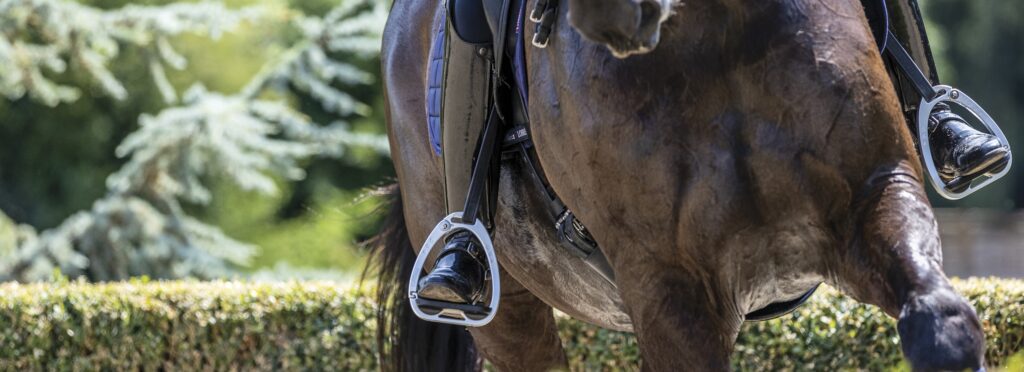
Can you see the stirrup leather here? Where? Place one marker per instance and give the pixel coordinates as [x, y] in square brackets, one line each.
[469, 315]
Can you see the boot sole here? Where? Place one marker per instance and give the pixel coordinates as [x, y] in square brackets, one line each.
[960, 184]
[994, 161]
[441, 292]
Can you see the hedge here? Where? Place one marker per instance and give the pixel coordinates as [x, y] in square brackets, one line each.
[329, 326]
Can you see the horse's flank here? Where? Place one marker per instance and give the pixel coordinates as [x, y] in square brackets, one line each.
[758, 150]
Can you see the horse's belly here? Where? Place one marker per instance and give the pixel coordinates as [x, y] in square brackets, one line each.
[778, 261]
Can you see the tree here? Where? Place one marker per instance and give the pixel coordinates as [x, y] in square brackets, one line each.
[140, 226]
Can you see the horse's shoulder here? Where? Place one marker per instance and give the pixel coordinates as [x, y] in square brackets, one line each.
[408, 26]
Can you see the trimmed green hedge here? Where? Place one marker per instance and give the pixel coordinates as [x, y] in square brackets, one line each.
[319, 325]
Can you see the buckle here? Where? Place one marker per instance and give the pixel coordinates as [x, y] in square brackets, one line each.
[540, 42]
[471, 315]
[543, 15]
[538, 11]
[953, 96]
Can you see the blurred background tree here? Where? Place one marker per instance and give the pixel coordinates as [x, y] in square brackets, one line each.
[56, 153]
[306, 88]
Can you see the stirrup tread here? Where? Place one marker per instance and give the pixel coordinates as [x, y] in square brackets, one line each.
[439, 308]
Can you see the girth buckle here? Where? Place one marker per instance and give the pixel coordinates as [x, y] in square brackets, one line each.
[543, 15]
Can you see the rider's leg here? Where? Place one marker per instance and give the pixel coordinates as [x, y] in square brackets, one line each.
[460, 271]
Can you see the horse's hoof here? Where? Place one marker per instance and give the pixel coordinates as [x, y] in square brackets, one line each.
[941, 332]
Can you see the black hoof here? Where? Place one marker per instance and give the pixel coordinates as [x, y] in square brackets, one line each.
[939, 331]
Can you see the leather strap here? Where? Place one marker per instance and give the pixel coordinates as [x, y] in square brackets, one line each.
[910, 70]
[481, 168]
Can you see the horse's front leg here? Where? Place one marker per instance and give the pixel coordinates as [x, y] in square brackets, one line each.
[894, 260]
[523, 335]
[681, 322]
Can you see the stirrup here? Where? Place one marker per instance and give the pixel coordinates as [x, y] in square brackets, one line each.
[468, 315]
[932, 95]
[947, 94]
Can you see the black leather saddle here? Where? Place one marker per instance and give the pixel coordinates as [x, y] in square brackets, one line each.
[470, 21]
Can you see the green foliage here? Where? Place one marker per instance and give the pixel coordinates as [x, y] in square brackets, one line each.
[329, 326]
[831, 332]
[321, 237]
[251, 138]
[184, 326]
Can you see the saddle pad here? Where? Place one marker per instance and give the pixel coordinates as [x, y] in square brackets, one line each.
[435, 85]
[435, 74]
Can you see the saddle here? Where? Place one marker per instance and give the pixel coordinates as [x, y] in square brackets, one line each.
[477, 117]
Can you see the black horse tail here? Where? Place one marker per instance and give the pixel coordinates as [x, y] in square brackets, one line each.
[405, 342]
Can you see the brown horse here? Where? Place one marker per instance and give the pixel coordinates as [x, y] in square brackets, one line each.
[756, 151]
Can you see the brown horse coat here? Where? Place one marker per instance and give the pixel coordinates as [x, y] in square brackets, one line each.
[757, 150]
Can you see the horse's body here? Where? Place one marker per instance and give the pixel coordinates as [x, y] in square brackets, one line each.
[757, 151]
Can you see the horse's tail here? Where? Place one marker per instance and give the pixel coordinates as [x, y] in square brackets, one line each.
[405, 342]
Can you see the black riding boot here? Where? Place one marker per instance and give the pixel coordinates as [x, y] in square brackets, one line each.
[961, 152]
[459, 272]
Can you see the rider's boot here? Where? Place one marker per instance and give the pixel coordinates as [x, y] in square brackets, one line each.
[961, 152]
[459, 273]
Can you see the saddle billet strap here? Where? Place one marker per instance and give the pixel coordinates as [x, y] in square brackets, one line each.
[544, 14]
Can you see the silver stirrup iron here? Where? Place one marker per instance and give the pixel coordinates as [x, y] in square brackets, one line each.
[453, 313]
[956, 97]
[932, 95]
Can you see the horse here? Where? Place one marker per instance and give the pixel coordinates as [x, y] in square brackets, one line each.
[725, 155]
